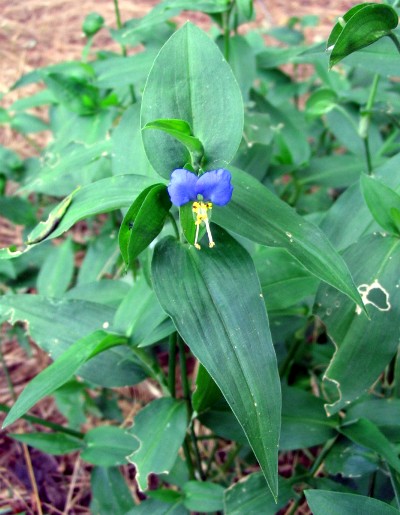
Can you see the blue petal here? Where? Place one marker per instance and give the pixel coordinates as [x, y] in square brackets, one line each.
[182, 188]
[215, 186]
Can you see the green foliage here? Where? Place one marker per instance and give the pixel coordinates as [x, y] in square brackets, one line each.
[279, 339]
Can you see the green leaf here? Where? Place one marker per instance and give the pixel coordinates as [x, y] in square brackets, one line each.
[384, 413]
[75, 93]
[349, 217]
[284, 281]
[56, 273]
[160, 429]
[366, 433]
[18, 210]
[108, 446]
[364, 346]
[156, 507]
[250, 495]
[217, 308]
[139, 314]
[383, 203]
[259, 215]
[202, 496]
[364, 24]
[304, 421]
[143, 221]
[49, 324]
[208, 98]
[128, 155]
[44, 229]
[100, 197]
[181, 131]
[110, 493]
[207, 392]
[50, 443]
[339, 503]
[100, 256]
[61, 370]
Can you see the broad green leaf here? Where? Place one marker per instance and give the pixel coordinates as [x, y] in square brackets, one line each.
[382, 201]
[70, 165]
[384, 413]
[128, 155]
[160, 429]
[366, 433]
[366, 24]
[206, 97]
[203, 496]
[110, 493]
[100, 256]
[18, 210]
[143, 221]
[100, 197]
[77, 94]
[304, 421]
[250, 495]
[108, 446]
[284, 281]
[349, 217]
[27, 123]
[44, 229]
[242, 60]
[259, 215]
[156, 507]
[207, 392]
[49, 324]
[334, 171]
[110, 292]
[50, 443]
[382, 57]
[61, 370]
[118, 71]
[364, 346]
[181, 131]
[339, 503]
[289, 127]
[350, 460]
[56, 273]
[218, 309]
[140, 314]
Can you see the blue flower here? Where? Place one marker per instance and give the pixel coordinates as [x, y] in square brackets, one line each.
[212, 187]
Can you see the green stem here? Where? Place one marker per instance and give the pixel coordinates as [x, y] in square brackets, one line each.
[227, 32]
[365, 120]
[367, 155]
[45, 423]
[294, 349]
[123, 47]
[396, 42]
[172, 364]
[394, 479]
[188, 458]
[187, 396]
[174, 225]
[8, 377]
[313, 472]
[153, 368]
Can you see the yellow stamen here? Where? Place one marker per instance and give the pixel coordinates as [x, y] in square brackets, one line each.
[200, 210]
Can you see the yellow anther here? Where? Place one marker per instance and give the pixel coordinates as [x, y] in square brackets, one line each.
[200, 210]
